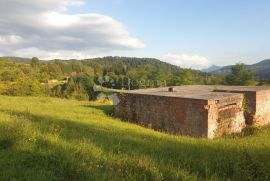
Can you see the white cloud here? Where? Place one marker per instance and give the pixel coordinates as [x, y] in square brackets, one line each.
[187, 61]
[42, 27]
[49, 55]
[6, 40]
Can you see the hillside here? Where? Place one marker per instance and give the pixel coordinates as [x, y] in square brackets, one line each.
[261, 69]
[54, 139]
[19, 59]
[99, 66]
[77, 78]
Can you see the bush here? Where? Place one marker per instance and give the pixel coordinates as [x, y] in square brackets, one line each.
[25, 86]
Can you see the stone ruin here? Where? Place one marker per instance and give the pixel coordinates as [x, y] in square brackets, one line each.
[201, 111]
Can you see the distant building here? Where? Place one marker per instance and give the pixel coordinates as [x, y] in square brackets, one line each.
[207, 111]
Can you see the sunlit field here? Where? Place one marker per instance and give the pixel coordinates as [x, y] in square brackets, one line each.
[55, 139]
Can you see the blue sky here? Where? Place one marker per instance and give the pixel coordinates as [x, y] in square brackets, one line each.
[224, 31]
[189, 33]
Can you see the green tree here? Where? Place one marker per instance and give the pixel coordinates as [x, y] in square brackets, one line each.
[34, 62]
[240, 75]
[187, 77]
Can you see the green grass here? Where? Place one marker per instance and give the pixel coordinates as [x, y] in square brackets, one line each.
[54, 139]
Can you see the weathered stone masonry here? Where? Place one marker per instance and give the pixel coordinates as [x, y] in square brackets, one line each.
[256, 103]
[208, 111]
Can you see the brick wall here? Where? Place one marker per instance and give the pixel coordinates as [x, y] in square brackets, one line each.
[262, 112]
[256, 106]
[174, 115]
[182, 115]
[226, 116]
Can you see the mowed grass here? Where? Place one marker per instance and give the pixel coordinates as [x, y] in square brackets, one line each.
[54, 139]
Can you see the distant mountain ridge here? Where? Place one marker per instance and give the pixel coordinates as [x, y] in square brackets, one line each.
[19, 59]
[261, 69]
[211, 68]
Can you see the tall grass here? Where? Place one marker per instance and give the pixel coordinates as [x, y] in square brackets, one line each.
[54, 139]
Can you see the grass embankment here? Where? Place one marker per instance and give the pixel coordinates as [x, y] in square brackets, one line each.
[53, 139]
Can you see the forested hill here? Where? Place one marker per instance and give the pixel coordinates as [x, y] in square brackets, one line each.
[69, 78]
[131, 62]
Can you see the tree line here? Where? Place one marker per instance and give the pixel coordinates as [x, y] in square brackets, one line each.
[77, 78]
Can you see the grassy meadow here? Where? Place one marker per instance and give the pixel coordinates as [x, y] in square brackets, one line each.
[53, 139]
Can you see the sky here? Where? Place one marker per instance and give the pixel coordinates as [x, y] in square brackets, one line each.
[187, 33]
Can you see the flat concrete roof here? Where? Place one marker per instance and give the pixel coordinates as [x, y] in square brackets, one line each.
[202, 92]
[243, 88]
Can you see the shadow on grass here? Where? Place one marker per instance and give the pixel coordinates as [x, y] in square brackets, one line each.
[6, 143]
[107, 109]
[201, 157]
[50, 161]
[247, 131]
